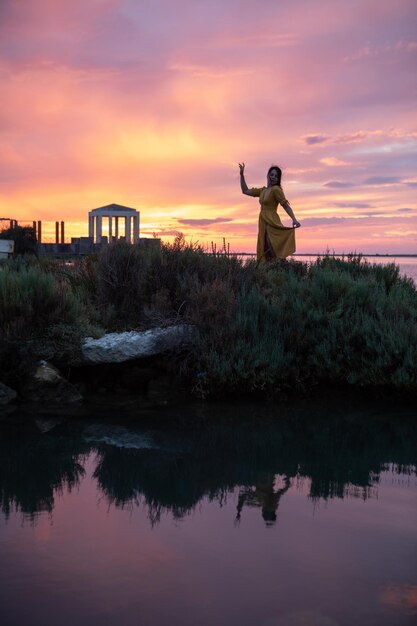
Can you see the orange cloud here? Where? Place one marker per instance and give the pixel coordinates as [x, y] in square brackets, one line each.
[105, 102]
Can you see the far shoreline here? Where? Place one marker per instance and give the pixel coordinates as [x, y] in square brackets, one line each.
[336, 254]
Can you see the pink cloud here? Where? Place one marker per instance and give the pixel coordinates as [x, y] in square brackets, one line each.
[152, 105]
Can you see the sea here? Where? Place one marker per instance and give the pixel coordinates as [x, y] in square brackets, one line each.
[407, 264]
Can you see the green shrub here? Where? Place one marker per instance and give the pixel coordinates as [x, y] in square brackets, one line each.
[262, 329]
[24, 238]
[39, 316]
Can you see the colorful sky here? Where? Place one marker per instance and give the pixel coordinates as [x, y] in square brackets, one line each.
[152, 103]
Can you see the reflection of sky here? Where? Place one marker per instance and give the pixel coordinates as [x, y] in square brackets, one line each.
[152, 104]
[344, 559]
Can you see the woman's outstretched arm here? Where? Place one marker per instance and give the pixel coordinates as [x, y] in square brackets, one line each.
[288, 209]
[245, 189]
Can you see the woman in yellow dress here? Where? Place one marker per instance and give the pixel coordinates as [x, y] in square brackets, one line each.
[274, 239]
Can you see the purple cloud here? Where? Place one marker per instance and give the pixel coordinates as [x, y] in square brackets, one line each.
[311, 140]
[353, 205]
[322, 221]
[338, 184]
[204, 222]
[381, 180]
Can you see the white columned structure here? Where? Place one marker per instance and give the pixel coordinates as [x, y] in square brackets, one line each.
[114, 211]
[136, 227]
[91, 226]
[127, 228]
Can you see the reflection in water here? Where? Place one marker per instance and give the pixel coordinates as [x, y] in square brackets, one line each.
[253, 545]
[264, 495]
[35, 466]
[402, 596]
[172, 468]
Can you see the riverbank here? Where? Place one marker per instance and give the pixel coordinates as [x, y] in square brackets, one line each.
[268, 330]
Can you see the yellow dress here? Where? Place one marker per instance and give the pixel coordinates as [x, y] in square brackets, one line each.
[274, 239]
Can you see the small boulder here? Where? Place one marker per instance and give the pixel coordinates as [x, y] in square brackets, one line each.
[49, 386]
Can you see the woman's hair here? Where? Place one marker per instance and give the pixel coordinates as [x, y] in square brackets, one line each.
[278, 170]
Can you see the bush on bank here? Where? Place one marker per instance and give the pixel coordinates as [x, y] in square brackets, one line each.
[263, 329]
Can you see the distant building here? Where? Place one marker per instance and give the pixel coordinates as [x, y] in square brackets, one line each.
[96, 240]
[114, 213]
[6, 248]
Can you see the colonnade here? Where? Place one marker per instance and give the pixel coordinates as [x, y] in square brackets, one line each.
[113, 213]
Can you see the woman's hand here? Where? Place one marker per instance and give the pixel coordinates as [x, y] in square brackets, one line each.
[242, 168]
[296, 224]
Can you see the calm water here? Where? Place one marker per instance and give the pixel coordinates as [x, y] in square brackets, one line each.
[302, 515]
[407, 265]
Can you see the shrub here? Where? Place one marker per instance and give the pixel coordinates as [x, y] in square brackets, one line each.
[39, 316]
[24, 238]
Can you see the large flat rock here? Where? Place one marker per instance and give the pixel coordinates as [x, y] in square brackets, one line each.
[120, 347]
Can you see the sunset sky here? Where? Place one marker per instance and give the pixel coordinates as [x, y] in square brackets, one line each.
[152, 103]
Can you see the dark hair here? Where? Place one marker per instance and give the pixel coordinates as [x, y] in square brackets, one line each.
[278, 170]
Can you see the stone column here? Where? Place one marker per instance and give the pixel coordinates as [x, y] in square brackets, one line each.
[98, 228]
[91, 225]
[116, 223]
[136, 228]
[127, 228]
[110, 229]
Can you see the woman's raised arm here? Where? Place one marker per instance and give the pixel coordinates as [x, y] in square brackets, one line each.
[245, 189]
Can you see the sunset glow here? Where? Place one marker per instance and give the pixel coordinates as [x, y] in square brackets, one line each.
[151, 104]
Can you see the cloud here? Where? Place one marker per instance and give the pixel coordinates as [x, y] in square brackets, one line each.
[204, 222]
[311, 140]
[387, 49]
[338, 184]
[322, 221]
[359, 136]
[333, 162]
[353, 205]
[406, 210]
[152, 104]
[381, 180]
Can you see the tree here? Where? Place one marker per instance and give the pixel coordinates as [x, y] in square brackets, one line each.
[24, 238]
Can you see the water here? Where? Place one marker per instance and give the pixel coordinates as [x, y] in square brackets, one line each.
[304, 514]
[407, 265]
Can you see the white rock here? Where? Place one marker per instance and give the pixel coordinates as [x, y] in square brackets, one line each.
[120, 347]
[46, 373]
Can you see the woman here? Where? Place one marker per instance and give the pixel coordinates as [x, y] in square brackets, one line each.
[274, 239]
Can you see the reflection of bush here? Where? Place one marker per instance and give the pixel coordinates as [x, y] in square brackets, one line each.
[340, 457]
[339, 451]
[34, 467]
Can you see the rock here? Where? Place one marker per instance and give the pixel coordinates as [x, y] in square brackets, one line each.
[6, 394]
[120, 347]
[48, 386]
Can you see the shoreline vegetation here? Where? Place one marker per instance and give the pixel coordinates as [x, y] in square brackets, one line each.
[263, 330]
